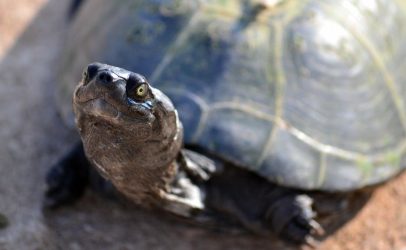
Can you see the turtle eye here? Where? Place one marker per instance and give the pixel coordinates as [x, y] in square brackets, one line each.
[137, 88]
[141, 91]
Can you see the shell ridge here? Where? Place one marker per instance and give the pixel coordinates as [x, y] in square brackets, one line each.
[379, 63]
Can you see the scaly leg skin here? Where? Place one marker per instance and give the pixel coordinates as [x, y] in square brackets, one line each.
[227, 194]
[226, 191]
[66, 181]
[186, 197]
[292, 217]
[263, 207]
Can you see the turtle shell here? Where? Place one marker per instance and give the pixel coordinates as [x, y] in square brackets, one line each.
[307, 94]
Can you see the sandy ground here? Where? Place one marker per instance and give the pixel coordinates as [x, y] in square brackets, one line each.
[33, 138]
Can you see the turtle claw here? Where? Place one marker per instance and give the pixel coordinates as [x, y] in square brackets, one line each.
[310, 224]
[311, 242]
[292, 217]
[196, 165]
[317, 229]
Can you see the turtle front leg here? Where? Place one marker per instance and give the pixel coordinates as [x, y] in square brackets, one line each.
[184, 198]
[187, 193]
[66, 180]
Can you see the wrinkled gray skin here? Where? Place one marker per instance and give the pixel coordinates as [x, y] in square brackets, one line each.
[132, 135]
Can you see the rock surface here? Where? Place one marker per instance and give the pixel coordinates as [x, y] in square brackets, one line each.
[34, 137]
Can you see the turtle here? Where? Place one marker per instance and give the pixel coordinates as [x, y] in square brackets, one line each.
[234, 109]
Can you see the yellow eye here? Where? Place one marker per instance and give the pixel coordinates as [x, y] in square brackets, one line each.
[141, 90]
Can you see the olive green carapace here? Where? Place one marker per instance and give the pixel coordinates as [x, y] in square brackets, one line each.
[309, 94]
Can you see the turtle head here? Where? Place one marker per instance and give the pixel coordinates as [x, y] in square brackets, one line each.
[120, 98]
[128, 128]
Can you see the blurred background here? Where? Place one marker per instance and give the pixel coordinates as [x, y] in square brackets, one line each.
[33, 137]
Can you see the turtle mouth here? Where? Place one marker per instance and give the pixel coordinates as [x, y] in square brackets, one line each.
[91, 101]
[100, 108]
[86, 92]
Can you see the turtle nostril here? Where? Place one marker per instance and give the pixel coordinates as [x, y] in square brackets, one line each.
[91, 70]
[105, 77]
